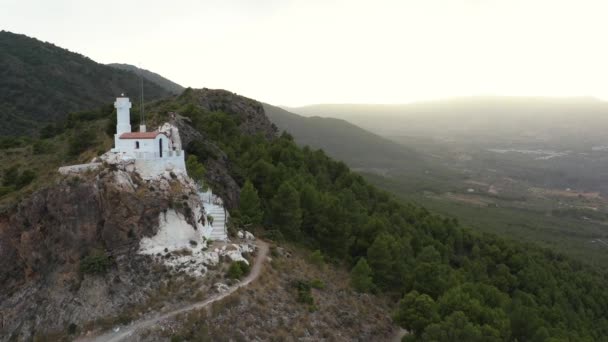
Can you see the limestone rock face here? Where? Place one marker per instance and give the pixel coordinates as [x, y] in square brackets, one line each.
[173, 133]
[44, 240]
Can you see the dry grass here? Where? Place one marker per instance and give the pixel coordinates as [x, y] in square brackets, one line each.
[268, 309]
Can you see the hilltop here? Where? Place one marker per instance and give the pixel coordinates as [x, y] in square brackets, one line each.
[153, 77]
[87, 273]
[41, 83]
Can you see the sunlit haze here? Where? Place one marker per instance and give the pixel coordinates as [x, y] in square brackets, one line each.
[310, 51]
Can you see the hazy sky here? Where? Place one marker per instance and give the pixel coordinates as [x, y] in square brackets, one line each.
[296, 52]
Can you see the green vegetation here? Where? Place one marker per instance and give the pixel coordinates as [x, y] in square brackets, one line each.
[444, 152]
[250, 210]
[452, 283]
[13, 179]
[237, 270]
[286, 212]
[29, 163]
[317, 284]
[416, 311]
[520, 291]
[195, 169]
[41, 83]
[316, 258]
[563, 230]
[97, 262]
[361, 276]
[304, 294]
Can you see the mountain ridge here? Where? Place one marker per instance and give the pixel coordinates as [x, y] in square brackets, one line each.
[151, 76]
[341, 139]
[40, 83]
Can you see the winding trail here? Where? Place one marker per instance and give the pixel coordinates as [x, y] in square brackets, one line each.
[128, 330]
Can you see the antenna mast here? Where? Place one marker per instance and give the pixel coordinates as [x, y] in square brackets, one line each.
[142, 117]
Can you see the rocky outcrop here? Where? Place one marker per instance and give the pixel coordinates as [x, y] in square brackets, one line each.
[250, 112]
[253, 121]
[44, 241]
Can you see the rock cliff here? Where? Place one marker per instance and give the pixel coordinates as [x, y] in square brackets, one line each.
[44, 242]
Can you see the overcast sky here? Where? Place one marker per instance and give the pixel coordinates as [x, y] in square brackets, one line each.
[296, 52]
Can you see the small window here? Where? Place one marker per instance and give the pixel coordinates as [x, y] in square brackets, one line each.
[137, 145]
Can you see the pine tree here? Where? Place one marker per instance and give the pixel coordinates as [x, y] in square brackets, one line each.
[361, 276]
[382, 261]
[196, 170]
[416, 311]
[249, 205]
[310, 202]
[286, 213]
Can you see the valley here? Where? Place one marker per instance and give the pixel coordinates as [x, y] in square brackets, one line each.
[545, 185]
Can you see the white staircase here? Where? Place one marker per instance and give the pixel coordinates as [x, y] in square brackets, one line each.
[218, 231]
[214, 206]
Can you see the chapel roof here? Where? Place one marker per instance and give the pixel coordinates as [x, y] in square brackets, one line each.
[140, 135]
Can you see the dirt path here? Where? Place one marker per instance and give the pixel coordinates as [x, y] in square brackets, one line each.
[126, 331]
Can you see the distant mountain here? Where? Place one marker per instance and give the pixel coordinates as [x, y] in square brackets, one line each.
[152, 77]
[342, 140]
[495, 119]
[40, 83]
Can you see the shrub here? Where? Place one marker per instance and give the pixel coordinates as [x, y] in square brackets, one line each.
[237, 270]
[12, 177]
[361, 276]
[304, 294]
[4, 190]
[274, 235]
[95, 263]
[196, 170]
[317, 284]
[25, 178]
[51, 130]
[41, 147]
[81, 140]
[316, 258]
[72, 328]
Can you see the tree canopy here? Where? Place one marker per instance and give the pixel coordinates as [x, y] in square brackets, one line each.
[451, 283]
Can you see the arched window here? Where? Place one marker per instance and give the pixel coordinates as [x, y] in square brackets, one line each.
[137, 145]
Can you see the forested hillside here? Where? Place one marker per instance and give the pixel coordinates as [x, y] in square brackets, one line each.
[451, 283]
[447, 282]
[41, 83]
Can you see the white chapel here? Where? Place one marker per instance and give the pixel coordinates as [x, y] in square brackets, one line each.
[154, 152]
